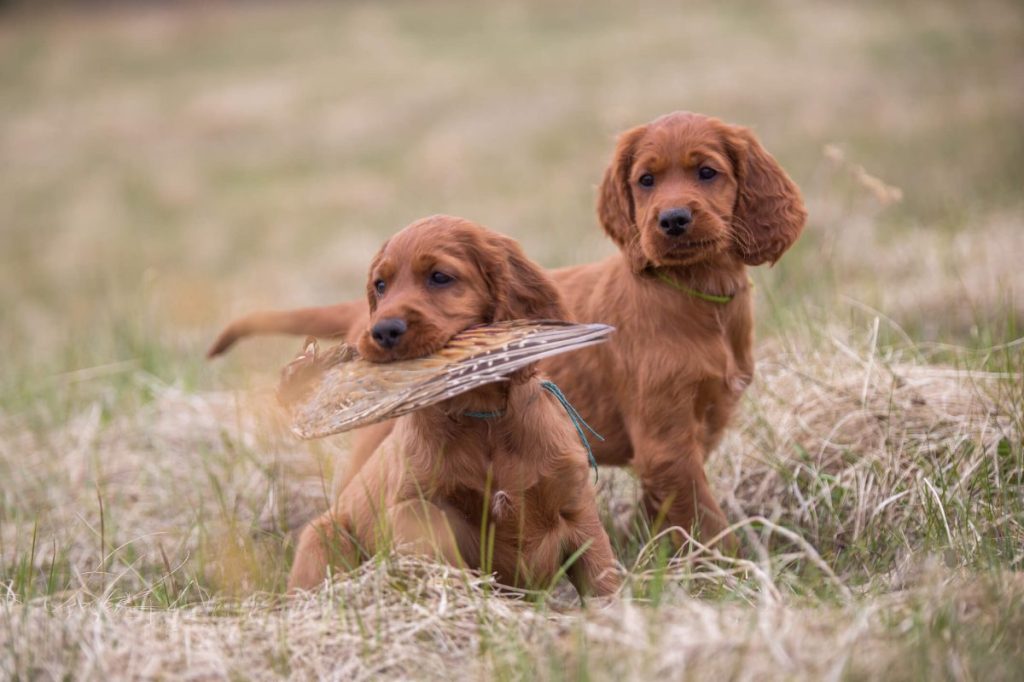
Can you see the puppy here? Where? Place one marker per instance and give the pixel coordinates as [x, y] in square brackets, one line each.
[502, 463]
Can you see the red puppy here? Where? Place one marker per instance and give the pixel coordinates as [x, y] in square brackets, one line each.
[443, 473]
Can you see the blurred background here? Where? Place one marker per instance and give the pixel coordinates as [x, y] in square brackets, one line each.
[166, 166]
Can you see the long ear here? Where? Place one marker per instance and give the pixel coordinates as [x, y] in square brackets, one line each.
[615, 208]
[521, 290]
[769, 214]
[371, 291]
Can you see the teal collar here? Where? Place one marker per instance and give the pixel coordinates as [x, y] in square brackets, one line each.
[574, 416]
[497, 414]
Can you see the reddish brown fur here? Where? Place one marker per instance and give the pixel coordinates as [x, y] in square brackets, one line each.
[666, 385]
[437, 477]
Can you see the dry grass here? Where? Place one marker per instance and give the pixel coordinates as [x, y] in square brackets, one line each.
[165, 167]
[411, 620]
[881, 502]
[866, 423]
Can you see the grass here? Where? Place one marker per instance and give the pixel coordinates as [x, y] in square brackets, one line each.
[165, 168]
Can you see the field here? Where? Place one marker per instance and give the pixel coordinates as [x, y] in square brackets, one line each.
[163, 168]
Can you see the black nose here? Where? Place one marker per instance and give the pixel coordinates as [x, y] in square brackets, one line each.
[388, 331]
[674, 221]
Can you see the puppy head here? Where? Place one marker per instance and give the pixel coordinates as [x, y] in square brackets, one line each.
[441, 275]
[686, 188]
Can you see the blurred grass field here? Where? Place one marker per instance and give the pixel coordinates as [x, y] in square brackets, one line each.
[163, 168]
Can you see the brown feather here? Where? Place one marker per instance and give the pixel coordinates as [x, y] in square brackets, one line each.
[338, 391]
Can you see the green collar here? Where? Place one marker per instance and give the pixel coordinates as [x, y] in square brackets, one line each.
[710, 298]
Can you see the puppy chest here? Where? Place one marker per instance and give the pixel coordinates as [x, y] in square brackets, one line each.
[512, 512]
[677, 370]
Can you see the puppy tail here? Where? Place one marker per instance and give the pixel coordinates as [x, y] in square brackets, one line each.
[326, 322]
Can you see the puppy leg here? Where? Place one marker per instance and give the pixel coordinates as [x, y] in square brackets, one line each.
[676, 488]
[596, 571]
[365, 442]
[421, 528]
[325, 541]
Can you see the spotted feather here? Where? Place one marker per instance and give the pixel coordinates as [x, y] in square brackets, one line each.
[337, 391]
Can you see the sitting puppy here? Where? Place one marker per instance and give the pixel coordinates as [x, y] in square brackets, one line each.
[691, 202]
[502, 462]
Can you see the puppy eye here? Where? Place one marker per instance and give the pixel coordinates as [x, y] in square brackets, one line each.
[646, 180]
[379, 286]
[439, 278]
[706, 173]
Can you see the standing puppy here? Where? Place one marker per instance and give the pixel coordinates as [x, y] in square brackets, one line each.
[502, 462]
[691, 202]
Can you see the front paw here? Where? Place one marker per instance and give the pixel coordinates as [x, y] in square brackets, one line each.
[309, 568]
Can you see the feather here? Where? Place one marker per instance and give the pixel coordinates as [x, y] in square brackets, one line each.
[337, 391]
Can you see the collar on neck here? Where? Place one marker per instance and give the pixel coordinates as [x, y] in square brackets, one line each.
[495, 411]
[577, 421]
[497, 414]
[710, 298]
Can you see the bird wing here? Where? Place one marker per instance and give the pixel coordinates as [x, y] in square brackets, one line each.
[350, 391]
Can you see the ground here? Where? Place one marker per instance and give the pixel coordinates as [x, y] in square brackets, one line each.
[166, 167]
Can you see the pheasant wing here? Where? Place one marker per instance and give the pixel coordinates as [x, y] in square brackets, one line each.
[352, 392]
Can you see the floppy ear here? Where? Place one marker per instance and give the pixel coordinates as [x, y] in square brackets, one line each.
[371, 291]
[769, 214]
[520, 289]
[615, 208]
